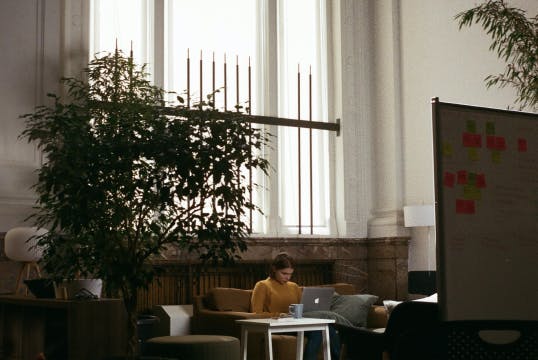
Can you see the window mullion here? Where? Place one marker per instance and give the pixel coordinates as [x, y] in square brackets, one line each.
[267, 100]
[157, 23]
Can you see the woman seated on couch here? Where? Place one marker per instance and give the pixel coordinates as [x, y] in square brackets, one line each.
[273, 296]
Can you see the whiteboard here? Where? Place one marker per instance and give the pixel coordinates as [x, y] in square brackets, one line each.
[486, 184]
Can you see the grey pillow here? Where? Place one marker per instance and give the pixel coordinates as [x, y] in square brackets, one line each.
[355, 308]
[325, 314]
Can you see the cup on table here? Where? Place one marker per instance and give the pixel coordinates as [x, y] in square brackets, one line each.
[296, 310]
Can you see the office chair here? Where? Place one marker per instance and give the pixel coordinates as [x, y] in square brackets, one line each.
[413, 332]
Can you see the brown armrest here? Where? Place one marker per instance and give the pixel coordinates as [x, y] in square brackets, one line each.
[233, 315]
[213, 322]
[377, 317]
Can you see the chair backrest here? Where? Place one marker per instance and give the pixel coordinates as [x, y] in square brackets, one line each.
[412, 315]
[464, 340]
[414, 331]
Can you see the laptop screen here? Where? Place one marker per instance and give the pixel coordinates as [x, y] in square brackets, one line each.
[317, 298]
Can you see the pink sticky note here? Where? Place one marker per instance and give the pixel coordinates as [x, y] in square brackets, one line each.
[522, 145]
[490, 142]
[471, 140]
[462, 177]
[464, 206]
[449, 179]
[481, 180]
[500, 143]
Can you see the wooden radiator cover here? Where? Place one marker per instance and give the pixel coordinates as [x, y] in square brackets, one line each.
[177, 283]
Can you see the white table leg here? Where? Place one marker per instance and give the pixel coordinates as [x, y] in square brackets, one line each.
[326, 344]
[244, 341]
[268, 345]
[300, 345]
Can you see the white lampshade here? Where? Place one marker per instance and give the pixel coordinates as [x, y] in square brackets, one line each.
[19, 244]
[419, 215]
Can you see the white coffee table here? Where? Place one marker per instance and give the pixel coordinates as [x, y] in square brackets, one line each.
[272, 326]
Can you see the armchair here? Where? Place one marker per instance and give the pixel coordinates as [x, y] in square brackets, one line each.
[412, 332]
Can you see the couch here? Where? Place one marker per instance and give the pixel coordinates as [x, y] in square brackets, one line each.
[216, 312]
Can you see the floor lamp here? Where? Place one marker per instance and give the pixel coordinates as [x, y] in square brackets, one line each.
[20, 244]
[420, 215]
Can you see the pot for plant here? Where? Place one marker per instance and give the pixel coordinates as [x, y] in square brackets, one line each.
[41, 288]
[80, 289]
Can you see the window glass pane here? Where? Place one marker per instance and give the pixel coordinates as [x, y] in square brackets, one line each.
[211, 31]
[211, 47]
[300, 95]
[125, 23]
[208, 32]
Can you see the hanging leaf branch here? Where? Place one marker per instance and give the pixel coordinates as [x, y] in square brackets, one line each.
[515, 40]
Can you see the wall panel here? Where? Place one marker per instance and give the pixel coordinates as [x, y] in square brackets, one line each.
[30, 63]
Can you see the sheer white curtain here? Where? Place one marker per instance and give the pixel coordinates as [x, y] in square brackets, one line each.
[163, 33]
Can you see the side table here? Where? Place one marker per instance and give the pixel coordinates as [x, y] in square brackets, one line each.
[282, 325]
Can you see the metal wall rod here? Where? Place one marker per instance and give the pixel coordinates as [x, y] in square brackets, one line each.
[249, 111]
[188, 79]
[299, 190]
[267, 120]
[254, 119]
[310, 153]
[319, 125]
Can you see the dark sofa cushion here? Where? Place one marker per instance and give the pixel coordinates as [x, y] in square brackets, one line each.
[228, 299]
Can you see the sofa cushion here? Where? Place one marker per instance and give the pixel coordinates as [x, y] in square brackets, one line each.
[228, 299]
[355, 308]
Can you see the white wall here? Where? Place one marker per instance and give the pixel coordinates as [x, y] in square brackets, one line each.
[29, 67]
[438, 60]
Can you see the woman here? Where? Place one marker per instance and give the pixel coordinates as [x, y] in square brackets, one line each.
[274, 295]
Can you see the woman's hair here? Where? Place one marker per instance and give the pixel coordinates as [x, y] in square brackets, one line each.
[281, 261]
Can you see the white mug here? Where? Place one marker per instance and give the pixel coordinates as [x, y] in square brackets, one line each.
[296, 310]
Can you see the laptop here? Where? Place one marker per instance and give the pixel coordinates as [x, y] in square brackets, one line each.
[317, 298]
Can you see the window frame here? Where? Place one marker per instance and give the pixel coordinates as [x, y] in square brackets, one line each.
[269, 51]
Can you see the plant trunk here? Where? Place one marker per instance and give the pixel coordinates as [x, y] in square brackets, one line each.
[130, 302]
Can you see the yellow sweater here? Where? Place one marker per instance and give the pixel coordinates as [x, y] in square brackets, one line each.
[272, 298]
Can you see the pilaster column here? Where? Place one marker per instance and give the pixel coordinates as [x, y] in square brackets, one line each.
[351, 101]
[387, 214]
[75, 37]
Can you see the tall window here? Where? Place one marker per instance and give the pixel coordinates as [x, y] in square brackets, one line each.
[276, 45]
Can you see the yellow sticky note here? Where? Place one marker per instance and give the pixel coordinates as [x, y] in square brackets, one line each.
[471, 192]
[447, 149]
[496, 156]
[473, 154]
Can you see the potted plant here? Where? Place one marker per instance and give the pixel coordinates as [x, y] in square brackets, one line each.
[515, 40]
[124, 176]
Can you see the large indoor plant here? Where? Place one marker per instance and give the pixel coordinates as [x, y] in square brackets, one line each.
[515, 40]
[124, 176]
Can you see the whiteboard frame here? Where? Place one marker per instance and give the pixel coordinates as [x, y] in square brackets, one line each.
[448, 308]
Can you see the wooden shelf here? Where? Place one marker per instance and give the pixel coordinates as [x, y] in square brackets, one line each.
[61, 329]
